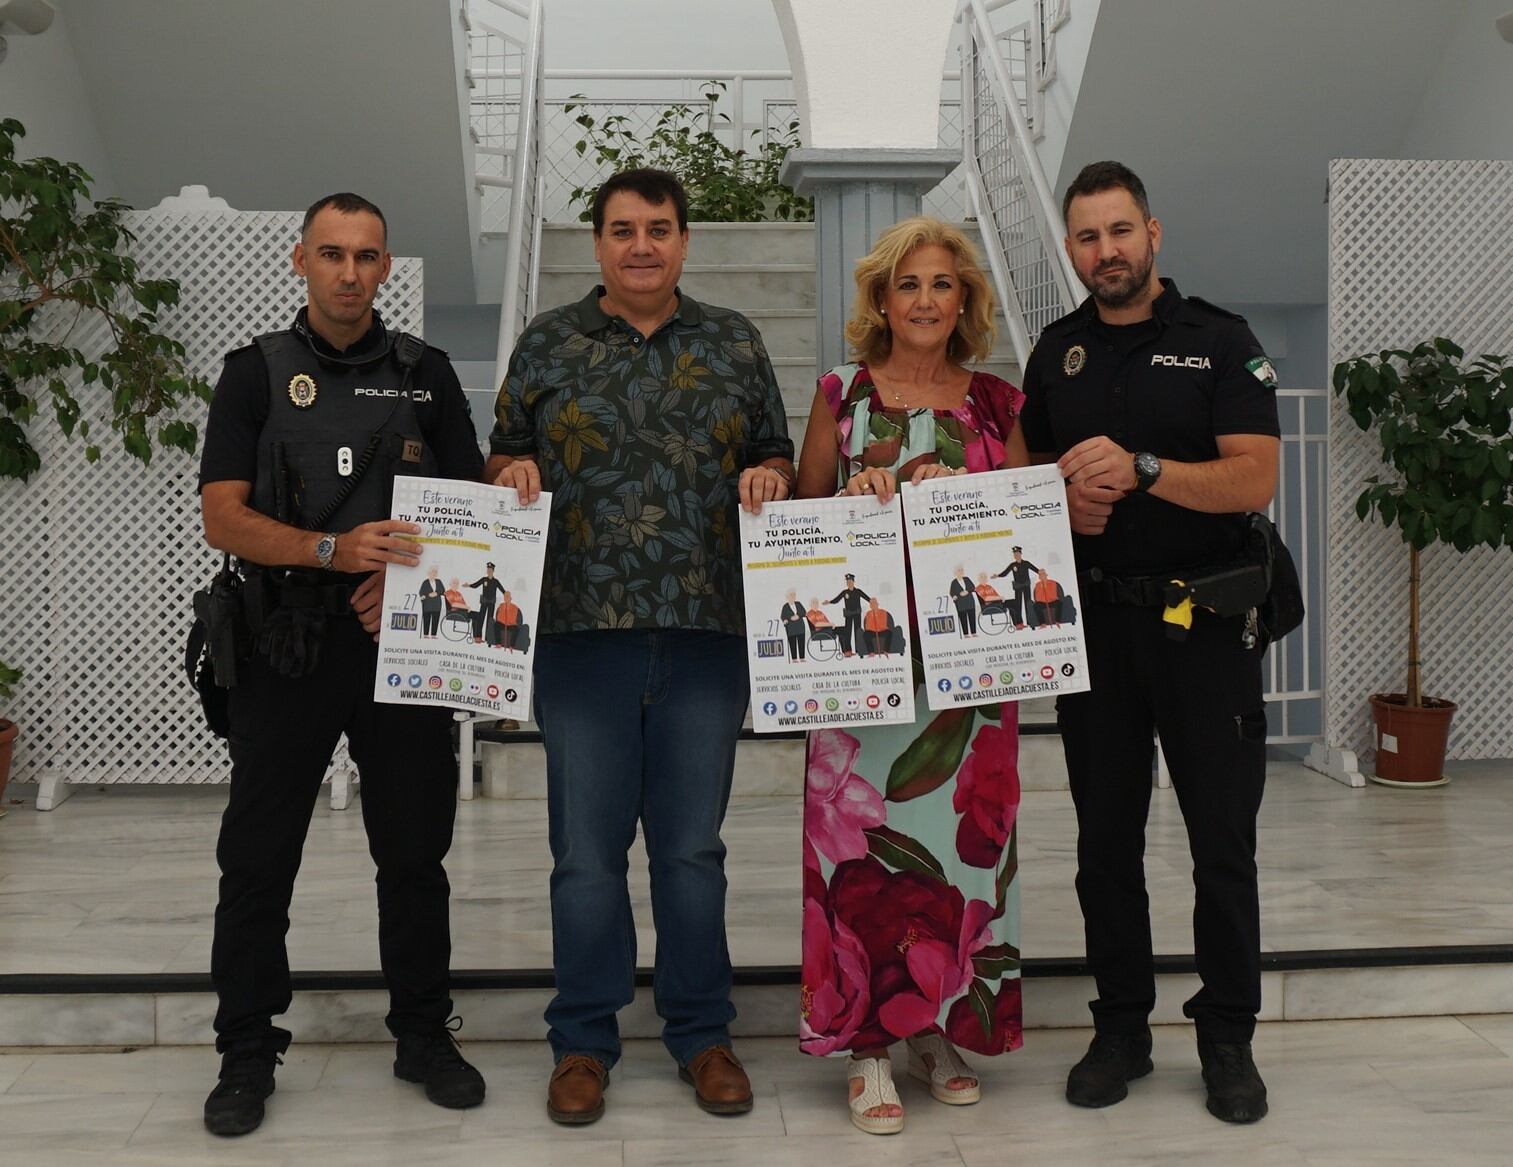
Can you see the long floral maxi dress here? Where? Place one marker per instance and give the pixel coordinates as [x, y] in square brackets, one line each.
[911, 889]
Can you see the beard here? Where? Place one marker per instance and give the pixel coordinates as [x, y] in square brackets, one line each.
[1118, 286]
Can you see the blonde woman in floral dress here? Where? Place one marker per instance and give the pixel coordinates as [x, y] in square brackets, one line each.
[911, 896]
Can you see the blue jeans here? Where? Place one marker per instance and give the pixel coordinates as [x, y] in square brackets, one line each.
[639, 725]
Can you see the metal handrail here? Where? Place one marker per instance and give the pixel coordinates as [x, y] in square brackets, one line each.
[512, 312]
[510, 6]
[980, 53]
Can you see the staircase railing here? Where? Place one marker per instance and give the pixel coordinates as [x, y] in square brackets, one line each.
[1022, 226]
[515, 108]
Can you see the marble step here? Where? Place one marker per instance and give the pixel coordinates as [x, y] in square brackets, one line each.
[131, 1011]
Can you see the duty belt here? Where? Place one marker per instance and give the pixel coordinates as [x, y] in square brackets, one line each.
[303, 589]
[1141, 591]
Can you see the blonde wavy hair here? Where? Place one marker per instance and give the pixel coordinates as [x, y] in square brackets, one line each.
[867, 330]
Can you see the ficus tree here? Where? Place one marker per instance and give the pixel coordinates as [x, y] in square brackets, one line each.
[64, 263]
[1442, 421]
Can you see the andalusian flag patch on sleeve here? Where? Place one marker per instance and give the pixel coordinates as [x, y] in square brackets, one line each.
[1263, 370]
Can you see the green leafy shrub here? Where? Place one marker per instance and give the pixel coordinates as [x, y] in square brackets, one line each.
[724, 184]
[62, 253]
[1443, 425]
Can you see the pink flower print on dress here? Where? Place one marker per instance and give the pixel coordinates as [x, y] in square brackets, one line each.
[839, 803]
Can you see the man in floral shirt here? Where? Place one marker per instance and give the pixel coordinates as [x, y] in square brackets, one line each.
[649, 417]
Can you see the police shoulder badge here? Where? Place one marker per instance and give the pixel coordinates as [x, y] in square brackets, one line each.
[1074, 361]
[302, 390]
[1262, 370]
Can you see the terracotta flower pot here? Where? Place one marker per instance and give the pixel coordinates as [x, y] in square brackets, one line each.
[8, 732]
[1411, 742]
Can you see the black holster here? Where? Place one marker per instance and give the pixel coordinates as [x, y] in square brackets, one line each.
[219, 641]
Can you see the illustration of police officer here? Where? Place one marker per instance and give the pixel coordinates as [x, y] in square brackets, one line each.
[308, 428]
[1022, 575]
[850, 598]
[1160, 410]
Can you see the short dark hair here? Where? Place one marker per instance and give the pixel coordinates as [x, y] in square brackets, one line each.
[348, 204]
[655, 186]
[1096, 177]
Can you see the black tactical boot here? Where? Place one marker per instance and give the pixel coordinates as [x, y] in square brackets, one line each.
[235, 1106]
[432, 1056]
[1111, 1061]
[1235, 1090]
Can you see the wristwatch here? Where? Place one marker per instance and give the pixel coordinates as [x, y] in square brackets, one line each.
[325, 550]
[1147, 470]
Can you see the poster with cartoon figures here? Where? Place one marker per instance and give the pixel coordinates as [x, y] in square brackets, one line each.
[458, 629]
[827, 621]
[995, 587]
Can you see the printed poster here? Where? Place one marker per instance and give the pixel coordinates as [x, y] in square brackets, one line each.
[827, 619]
[995, 587]
[458, 629]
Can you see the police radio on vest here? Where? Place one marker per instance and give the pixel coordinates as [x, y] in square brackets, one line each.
[1181, 362]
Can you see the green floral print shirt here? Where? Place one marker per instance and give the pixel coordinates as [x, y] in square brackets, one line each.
[641, 441]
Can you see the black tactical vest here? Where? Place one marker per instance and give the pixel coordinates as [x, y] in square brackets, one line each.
[329, 423]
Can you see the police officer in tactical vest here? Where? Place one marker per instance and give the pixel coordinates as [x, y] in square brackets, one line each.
[307, 429]
[1161, 412]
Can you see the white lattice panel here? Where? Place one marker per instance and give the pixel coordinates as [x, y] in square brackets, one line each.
[1416, 250]
[98, 563]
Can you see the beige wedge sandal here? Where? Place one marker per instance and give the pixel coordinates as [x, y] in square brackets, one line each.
[878, 1090]
[934, 1061]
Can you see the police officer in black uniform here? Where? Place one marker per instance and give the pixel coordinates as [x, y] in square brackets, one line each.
[1161, 412]
[850, 597]
[307, 429]
[1022, 607]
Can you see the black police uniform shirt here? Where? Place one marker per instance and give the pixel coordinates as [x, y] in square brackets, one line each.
[239, 409]
[1171, 385]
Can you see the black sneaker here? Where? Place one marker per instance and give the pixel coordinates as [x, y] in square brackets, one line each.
[235, 1106]
[433, 1057]
[1111, 1061]
[1235, 1090]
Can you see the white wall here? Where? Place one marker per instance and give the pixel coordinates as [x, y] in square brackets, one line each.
[1467, 111]
[667, 34]
[41, 86]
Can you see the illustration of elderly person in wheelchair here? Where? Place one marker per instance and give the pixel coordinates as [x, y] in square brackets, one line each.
[457, 623]
[824, 637]
[993, 615]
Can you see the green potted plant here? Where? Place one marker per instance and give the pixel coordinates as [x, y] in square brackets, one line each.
[1443, 424]
[8, 731]
[64, 261]
[724, 184]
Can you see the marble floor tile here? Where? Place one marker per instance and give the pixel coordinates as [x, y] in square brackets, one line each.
[1496, 1029]
[123, 879]
[905, 1150]
[299, 1120]
[645, 1100]
[1482, 1087]
[32, 1123]
[160, 1068]
[12, 1066]
[1279, 1048]
[1353, 1092]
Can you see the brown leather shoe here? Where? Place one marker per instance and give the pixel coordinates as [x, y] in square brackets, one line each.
[720, 1085]
[575, 1094]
